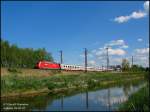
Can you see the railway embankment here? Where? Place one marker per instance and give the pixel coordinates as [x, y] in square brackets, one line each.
[30, 82]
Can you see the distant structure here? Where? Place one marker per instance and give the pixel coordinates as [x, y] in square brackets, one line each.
[132, 62]
[107, 59]
[85, 53]
[61, 58]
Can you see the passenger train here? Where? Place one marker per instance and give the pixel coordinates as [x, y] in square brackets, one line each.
[52, 65]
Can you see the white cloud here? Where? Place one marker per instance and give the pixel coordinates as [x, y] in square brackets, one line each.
[91, 62]
[134, 15]
[120, 43]
[116, 61]
[137, 15]
[122, 19]
[98, 53]
[101, 57]
[116, 52]
[146, 6]
[115, 42]
[142, 51]
[141, 56]
[139, 39]
[93, 51]
[89, 55]
[125, 46]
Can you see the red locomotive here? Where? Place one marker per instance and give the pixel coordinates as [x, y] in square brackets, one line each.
[47, 65]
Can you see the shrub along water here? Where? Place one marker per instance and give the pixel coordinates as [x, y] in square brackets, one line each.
[17, 83]
[138, 101]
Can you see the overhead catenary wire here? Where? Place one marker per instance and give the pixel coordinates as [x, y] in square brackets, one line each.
[85, 53]
[61, 56]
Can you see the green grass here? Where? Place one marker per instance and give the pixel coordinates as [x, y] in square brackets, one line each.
[138, 101]
[14, 83]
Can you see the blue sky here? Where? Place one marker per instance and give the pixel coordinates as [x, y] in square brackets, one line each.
[73, 26]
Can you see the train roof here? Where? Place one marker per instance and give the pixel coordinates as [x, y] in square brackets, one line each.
[48, 62]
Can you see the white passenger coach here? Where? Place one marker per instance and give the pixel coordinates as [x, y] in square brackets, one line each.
[80, 68]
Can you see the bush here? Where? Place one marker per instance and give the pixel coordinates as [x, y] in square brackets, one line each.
[147, 76]
[91, 83]
[138, 101]
[51, 85]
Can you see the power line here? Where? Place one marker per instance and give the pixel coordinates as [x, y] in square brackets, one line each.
[132, 61]
[85, 53]
[107, 59]
[87, 100]
[62, 102]
[61, 58]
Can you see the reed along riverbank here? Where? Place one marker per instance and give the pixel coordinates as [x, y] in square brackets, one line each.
[138, 101]
[17, 84]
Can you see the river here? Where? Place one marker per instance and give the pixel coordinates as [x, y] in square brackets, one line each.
[104, 99]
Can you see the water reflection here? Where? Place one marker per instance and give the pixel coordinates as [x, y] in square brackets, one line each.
[87, 99]
[105, 99]
[62, 100]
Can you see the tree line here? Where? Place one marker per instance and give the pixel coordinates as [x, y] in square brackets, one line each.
[13, 56]
[133, 68]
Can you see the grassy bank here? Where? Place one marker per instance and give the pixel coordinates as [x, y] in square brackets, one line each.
[16, 83]
[138, 101]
